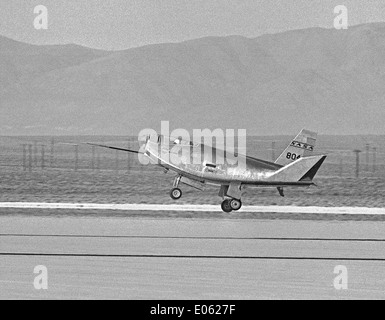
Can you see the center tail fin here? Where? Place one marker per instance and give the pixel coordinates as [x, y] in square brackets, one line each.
[302, 146]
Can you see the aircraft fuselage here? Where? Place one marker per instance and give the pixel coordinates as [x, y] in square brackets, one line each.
[213, 166]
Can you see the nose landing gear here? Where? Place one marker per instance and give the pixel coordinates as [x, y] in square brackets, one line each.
[176, 193]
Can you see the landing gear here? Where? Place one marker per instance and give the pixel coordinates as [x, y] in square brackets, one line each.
[235, 204]
[229, 205]
[176, 193]
[226, 206]
[231, 196]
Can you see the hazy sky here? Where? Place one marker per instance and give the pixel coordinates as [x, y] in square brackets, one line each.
[120, 24]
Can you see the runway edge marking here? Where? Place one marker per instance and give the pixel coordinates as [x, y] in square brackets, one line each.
[194, 208]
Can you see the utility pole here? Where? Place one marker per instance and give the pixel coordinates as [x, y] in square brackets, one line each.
[98, 160]
[35, 153]
[93, 158]
[357, 152]
[374, 159]
[128, 158]
[52, 152]
[24, 157]
[76, 157]
[367, 147]
[116, 161]
[30, 157]
[42, 156]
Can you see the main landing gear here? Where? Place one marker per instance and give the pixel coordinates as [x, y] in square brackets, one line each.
[229, 205]
[231, 196]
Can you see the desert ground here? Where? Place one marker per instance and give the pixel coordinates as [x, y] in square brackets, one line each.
[58, 174]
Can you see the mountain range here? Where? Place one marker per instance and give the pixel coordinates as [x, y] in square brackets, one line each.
[328, 80]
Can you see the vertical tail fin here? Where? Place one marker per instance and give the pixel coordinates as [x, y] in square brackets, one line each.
[302, 170]
[302, 146]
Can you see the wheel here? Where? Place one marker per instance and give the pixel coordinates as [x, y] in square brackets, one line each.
[235, 204]
[176, 193]
[226, 207]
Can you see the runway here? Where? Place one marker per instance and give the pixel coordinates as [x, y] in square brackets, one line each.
[147, 258]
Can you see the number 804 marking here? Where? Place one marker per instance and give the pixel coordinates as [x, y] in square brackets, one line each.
[292, 156]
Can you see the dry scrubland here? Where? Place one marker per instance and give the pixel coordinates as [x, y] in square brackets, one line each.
[119, 178]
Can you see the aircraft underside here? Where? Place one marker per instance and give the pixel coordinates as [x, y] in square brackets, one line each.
[230, 192]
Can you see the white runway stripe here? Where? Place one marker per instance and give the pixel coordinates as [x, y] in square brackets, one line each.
[194, 208]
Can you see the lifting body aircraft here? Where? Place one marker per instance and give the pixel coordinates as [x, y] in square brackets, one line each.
[296, 166]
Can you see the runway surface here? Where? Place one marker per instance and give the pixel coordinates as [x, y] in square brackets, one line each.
[171, 258]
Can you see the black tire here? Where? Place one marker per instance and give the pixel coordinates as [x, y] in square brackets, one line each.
[236, 204]
[226, 207]
[176, 193]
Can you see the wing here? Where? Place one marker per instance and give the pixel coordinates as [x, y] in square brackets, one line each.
[114, 148]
